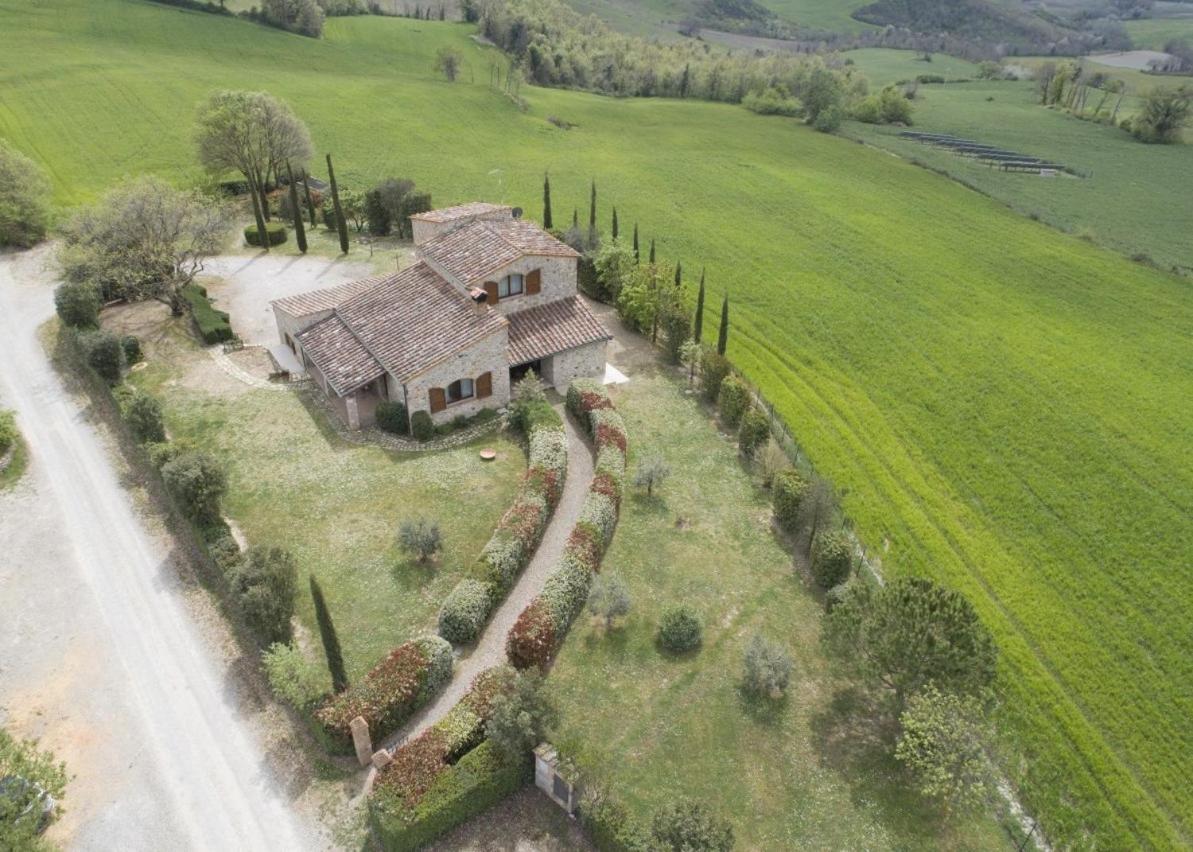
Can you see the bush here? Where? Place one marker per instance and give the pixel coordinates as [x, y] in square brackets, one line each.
[501, 561]
[836, 595]
[78, 304]
[832, 559]
[714, 367]
[212, 325]
[104, 355]
[527, 394]
[275, 232]
[392, 417]
[24, 199]
[197, 484]
[264, 586]
[566, 591]
[520, 715]
[531, 640]
[465, 611]
[397, 686]
[224, 551]
[600, 511]
[143, 413]
[789, 490]
[480, 779]
[420, 539]
[610, 825]
[754, 432]
[767, 667]
[687, 826]
[295, 679]
[679, 629]
[585, 396]
[421, 426]
[132, 348]
[733, 399]
[771, 101]
[8, 431]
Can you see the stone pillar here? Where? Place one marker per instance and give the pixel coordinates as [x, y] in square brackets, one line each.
[361, 740]
[382, 759]
[353, 414]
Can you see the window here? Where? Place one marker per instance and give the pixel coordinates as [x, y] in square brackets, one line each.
[462, 389]
[510, 285]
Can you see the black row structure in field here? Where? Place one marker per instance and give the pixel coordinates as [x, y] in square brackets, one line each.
[995, 158]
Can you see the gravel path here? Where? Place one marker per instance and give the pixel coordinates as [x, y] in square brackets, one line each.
[490, 650]
[100, 654]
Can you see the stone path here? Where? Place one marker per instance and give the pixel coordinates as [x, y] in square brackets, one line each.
[226, 364]
[490, 650]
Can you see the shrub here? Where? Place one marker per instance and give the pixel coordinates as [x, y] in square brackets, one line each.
[264, 586]
[520, 715]
[212, 325]
[78, 304]
[770, 461]
[501, 561]
[601, 512]
[104, 355]
[832, 559]
[754, 432]
[197, 483]
[143, 413]
[549, 450]
[836, 595]
[394, 689]
[770, 101]
[539, 415]
[829, 119]
[585, 396]
[224, 551]
[679, 629]
[392, 417]
[8, 431]
[687, 826]
[789, 490]
[293, 677]
[733, 399]
[531, 640]
[527, 393]
[465, 611]
[420, 538]
[609, 824]
[24, 199]
[565, 592]
[275, 233]
[421, 426]
[132, 348]
[714, 367]
[767, 667]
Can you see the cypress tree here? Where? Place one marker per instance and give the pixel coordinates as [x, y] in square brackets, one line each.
[306, 185]
[652, 251]
[678, 273]
[723, 335]
[331, 642]
[341, 225]
[614, 223]
[300, 233]
[575, 218]
[592, 209]
[636, 242]
[547, 202]
[698, 325]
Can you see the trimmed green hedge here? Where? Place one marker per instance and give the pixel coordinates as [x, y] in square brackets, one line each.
[274, 231]
[213, 325]
[480, 779]
[465, 611]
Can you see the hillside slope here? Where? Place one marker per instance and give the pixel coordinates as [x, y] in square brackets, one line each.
[1003, 407]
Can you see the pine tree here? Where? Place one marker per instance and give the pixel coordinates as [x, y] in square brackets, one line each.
[341, 225]
[300, 233]
[306, 185]
[652, 255]
[331, 642]
[678, 273]
[614, 223]
[698, 325]
[547, 202]
[636, 242]
[592, 210]
[723, 335]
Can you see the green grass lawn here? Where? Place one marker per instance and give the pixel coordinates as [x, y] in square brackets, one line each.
[1002, 406]
[795, 774]
[337, 506]
[1154, 33]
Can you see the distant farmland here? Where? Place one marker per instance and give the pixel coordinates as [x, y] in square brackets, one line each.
[1003, 407]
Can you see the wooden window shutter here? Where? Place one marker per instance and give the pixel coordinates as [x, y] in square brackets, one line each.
[491, 292]
[534, 281]
[438, 400]
[484, 385]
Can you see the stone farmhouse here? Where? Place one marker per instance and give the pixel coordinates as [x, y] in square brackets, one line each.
[490, 297]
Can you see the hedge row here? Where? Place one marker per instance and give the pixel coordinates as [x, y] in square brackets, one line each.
[275, 232]
[213, 325]
[445, 776]
[542, 626]
[508, 552]
[397, 686]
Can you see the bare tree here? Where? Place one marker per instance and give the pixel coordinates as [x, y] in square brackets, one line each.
[817, 507]
[252, 133]
[144, 240]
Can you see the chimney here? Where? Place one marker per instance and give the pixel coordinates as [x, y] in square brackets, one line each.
[479, 298]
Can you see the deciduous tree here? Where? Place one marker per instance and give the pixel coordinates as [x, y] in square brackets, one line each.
[24, 199]
[547, 202]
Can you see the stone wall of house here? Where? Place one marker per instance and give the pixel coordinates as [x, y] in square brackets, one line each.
[558, 280]
[562, 368]
[487, 356]
[292, 325]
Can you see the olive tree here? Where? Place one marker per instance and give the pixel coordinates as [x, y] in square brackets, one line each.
[28, 775]
[24, 199]
[420, 539]
[609, 598]
[144, 240]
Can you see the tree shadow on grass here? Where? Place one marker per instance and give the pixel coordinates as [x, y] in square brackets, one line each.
[654, 505]
[762, 708]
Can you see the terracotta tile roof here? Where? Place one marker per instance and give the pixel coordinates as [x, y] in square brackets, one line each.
[314, 301]
[461, 211]
[470, 252]
[344, 362]
[414, 319]
[553, 327]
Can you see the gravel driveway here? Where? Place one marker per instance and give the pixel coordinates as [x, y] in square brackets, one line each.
[100, 653]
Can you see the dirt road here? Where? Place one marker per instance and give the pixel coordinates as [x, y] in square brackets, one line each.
[100, 652]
